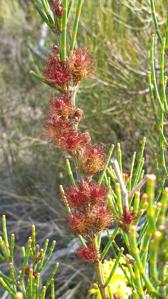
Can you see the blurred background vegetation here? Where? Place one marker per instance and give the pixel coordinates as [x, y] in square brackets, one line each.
[115, 100]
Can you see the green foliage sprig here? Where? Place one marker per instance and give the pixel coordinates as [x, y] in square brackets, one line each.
[25, 280]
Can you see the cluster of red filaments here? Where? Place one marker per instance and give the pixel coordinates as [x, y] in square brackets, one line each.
[62, 125]
[73, 70]
[87, 199]
[57, 72]
[92, 159]
[88, 254]
[85, 194]
[91, 221]
[80, 65]
[90, 214]
[126, 219]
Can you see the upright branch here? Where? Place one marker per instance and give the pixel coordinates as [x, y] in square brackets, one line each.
[159, 107]
[102, 197]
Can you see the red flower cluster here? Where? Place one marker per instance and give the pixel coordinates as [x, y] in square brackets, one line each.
[74, 140]
[81, 65]
[64, 117]
[57, 72]
[127, 218]
[62, 130]
[90, 213]
[60, 73]
[93, 159]
[88, 254]
[61, 106]
[61, 125]
[91, 221]
[85, 194]
[56, 128]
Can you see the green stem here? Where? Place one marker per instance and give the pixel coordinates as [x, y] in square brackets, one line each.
[114, 268]
[153, 258]
[106, 164]
[164, 204]
[152, 61]
[108, 245]
[76, 24]
[155, 20]
[135, 252]
[162, 74]
[131, 172]
[5, 234]
[139, 282]
[71, 2]
[52, 289]
[100, 274]
[63, 40]
[70, 173]
[7, 287]
[119, 198]
[119, 156]
[139, 167]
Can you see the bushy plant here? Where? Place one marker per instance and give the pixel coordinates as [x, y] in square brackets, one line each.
[102, 197]
[25, 281]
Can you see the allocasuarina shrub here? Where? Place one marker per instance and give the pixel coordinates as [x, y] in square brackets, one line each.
[102, 197]
[95, 203]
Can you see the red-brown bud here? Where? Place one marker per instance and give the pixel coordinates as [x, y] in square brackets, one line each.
[144, 197]
[58, 10]
[88, 254]
[126, 175]
[127, 218]
[55, 48]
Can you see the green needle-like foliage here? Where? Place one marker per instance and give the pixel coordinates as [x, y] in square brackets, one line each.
[24, 280]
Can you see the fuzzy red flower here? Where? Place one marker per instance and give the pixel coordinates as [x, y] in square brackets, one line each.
[61, 106]
[90, 222]
[88, 254]
[85, 194]
[77, 223]
[74, 140]
[57, 127]
[93, 159]
[127, 218]
[81, 64]
[100, 218]
[57, 72]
